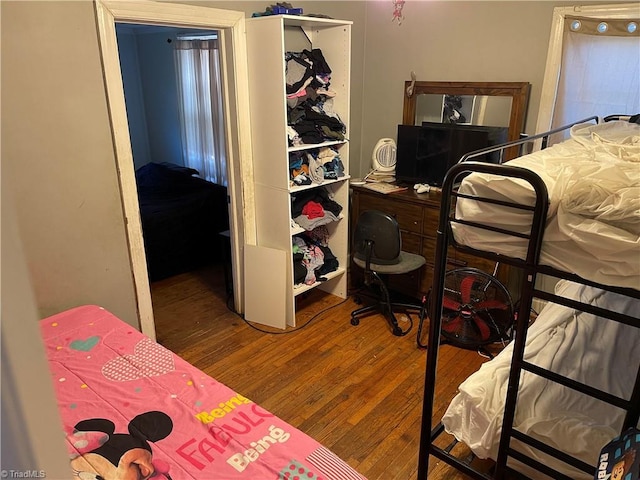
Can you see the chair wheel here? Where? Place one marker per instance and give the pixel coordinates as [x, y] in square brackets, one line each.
[355, 321]
[357, 299]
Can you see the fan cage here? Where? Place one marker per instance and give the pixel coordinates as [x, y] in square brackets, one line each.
[476, 310]
[384, 155]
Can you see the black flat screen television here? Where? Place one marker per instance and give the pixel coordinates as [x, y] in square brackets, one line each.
[426, 152]
[497, 136]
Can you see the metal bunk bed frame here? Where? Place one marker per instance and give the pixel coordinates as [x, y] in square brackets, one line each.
[530, 268]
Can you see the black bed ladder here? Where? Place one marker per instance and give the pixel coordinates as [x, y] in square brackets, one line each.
[444, 239]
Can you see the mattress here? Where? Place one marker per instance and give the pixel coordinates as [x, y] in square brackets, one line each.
[601, 353]
[593, 223]
[132, 409]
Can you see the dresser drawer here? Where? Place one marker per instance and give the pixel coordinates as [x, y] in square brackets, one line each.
[429, 249]
[407, 215]
[427, 279]
[431, 219]
[429, 252]
[411, 243]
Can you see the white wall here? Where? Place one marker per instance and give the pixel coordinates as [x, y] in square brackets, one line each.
[31, 429]
[475, 41]
[58, 155]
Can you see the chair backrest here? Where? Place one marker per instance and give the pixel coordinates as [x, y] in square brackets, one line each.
[383, 230]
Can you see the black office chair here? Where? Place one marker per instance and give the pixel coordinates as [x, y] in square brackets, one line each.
[377, 248]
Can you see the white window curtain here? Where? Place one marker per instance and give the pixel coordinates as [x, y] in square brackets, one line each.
[600, 73]
[593, 65]
[201, 108]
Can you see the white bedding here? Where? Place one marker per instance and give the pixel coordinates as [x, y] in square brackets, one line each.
[593, 224]
[602, 353]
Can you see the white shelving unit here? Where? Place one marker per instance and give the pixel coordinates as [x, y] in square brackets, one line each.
[269, 285]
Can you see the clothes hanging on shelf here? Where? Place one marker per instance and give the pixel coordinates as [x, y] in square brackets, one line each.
[312, 258]
[309, 99]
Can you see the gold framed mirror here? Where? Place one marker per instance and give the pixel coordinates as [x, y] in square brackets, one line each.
[498, 104]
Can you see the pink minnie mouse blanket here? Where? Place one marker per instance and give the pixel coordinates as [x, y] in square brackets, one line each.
[132, 409]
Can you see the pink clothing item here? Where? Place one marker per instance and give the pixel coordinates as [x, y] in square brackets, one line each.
[313, 259]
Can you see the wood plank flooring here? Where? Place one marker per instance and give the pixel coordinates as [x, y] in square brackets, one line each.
[357, 390]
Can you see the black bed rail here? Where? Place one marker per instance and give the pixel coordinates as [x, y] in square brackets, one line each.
[539, 209]
[617, 116]
[575, 385]
[530, 268]
[553, 272]
[630, 406]
[461, 465]
[543, 447]
[494, 201]
[541, 467]
[583, 307]
[520, 142]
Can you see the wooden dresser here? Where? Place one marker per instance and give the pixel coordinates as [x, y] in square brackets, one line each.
[418, 216]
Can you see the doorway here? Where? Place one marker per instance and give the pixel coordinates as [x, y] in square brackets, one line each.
[230, 25]
[183, 201]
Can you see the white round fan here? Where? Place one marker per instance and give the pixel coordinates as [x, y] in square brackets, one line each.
[384, 156]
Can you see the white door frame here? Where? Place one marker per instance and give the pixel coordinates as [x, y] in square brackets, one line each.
[237, 125]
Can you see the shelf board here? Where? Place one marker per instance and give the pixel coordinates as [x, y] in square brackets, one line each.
[308, 21]
[298, 289]
[297, 230]
[300, 188]
[311, 146]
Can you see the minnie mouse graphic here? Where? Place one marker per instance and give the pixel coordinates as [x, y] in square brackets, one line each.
[105, 455]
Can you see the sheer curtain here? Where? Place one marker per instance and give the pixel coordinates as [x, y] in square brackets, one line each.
[593, 64]
[600, 72]
[201, 108]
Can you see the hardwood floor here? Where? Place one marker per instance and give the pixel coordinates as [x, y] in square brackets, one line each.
[357, 390]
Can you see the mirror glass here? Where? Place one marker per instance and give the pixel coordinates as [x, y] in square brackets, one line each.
[487, 104]
[463, 109]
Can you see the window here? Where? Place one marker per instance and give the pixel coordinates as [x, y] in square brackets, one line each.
[593, 66]
[201, 106]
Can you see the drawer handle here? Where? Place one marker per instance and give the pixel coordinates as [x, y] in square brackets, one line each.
[457, 263]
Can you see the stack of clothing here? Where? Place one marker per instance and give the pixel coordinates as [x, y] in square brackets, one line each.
[310, 114]
[316, 165]
[313, 208]
[312, 257]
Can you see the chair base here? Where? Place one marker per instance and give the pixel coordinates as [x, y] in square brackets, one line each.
[383, 304]
[387, 310]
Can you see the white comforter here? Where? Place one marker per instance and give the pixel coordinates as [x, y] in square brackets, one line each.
[602, 353]
[593, 224]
